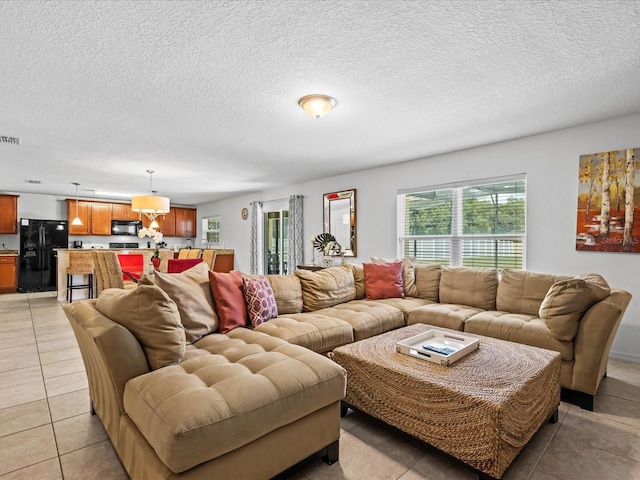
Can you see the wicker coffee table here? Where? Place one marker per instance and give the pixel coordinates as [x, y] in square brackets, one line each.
[482, 410]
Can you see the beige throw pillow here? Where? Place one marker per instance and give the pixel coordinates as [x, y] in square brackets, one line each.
[191, 291]
[152, 317]
[326, 288]
[568, 300]
[408, 274]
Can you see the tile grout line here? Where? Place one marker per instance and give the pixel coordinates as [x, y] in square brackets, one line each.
[46, 393]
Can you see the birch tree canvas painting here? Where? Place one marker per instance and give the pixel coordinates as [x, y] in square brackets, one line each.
[609, 202]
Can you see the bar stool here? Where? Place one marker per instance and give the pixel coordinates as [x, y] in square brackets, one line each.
[80, 263]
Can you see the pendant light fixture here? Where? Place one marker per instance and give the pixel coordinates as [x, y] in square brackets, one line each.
[76, 221]
[150, 205]
[317, 105]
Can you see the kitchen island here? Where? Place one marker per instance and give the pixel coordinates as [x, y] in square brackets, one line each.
[63, 262]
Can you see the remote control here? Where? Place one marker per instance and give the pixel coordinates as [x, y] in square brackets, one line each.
[440, 350]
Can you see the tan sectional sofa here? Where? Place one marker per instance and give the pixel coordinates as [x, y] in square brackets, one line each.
[180, 400]
[507, 304]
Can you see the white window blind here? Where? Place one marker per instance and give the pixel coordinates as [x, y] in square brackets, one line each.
[480, 224]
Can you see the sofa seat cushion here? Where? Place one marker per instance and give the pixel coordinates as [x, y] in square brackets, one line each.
[520, 328]
[230, 390]
[319, 333]
[366, 317]
[442, 315]
[405, 305]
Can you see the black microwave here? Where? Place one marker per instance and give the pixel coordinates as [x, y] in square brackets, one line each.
[125, 227]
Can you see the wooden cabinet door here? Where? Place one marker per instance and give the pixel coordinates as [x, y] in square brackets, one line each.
[185, 222]
[84, 212]
[168, 223]
[119, 211]
[122, 211]
[100, 218]
[9, 214]
[8, 274]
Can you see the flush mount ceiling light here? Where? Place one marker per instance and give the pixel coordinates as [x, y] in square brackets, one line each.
[76, 221]
[150, 205]
[317, 105]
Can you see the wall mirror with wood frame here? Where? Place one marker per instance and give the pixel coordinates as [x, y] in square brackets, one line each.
[339, 219]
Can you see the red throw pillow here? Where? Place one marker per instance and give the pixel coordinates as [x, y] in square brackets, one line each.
[229, 300]
[261, 303]
[383, 280]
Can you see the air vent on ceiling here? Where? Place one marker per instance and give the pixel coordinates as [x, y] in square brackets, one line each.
[12, 140]
[37, 182]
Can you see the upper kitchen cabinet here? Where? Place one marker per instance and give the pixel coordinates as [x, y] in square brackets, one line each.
[167, 223]
[84, 213]
[122, 211]
[100, 218]
[9, 214]
[185, 222]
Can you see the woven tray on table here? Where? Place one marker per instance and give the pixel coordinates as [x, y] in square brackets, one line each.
[483, 409]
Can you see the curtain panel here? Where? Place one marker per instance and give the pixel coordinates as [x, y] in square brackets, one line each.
[256, 263]
[295, 254]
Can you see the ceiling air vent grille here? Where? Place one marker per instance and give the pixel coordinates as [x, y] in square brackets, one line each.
[36, 182]
[12, 140]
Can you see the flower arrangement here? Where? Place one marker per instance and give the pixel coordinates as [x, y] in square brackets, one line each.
[150, 232]
[326, 244]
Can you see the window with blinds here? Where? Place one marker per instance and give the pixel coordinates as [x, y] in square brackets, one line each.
[481, 224]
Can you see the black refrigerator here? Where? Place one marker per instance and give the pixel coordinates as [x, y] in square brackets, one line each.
[38, 238]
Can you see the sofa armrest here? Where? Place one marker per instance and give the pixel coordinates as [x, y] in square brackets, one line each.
[111, 355]
[592, 343]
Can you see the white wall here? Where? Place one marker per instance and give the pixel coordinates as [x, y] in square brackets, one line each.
[550, 162]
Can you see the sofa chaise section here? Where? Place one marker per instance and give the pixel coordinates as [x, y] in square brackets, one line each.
[224, 410]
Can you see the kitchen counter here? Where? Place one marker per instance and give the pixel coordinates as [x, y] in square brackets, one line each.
[9, 253]
[63, 263]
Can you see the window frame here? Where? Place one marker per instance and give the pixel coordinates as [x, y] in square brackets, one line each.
[456, 239]
[205, 230]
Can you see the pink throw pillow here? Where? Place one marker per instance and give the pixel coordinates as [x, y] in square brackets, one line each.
[261, 303]
[229, 300]
[383, 280]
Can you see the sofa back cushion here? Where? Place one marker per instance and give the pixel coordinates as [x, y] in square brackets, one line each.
[191, 292]
[522, 292]
[383, 280]
[152, 317]
[428, 281]
[326, 288]
[358, 277]
[567, 300]
[287, 292]
[475, 287]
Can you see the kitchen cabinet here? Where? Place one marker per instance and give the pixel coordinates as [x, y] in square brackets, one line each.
[167, 223]
[122, 211]
[100, 218]
[8, 273]
[185, 222]
[84, 212]
[9, 214]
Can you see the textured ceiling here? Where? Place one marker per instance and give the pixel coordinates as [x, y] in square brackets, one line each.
[205, 93]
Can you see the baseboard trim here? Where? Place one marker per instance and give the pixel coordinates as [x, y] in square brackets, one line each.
[625, 357]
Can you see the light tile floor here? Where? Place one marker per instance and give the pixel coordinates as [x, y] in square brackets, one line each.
[47, 432]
